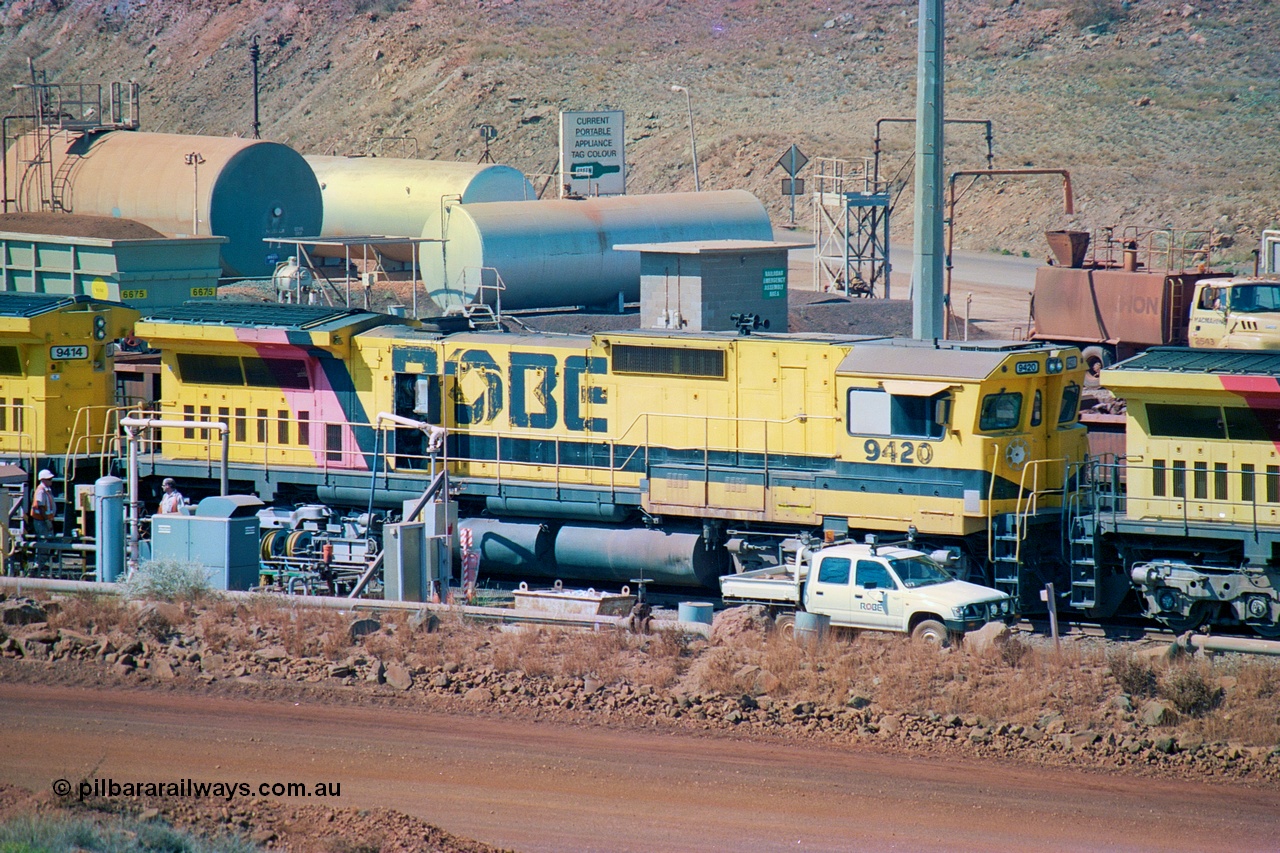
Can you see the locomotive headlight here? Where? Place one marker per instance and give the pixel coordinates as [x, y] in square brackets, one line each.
[1053, 365]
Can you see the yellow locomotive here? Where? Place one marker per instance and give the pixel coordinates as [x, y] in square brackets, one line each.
[57, 382]
[1190, 519]
[601, 456]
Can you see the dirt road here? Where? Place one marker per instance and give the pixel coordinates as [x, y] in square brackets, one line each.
[548, 787]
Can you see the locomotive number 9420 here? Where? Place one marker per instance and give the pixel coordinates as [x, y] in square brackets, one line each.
[903, 452]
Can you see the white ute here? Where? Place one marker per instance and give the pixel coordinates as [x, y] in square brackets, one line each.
[884, 588]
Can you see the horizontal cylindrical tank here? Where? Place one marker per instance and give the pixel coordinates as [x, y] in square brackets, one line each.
[508, 547]
[390, 197]
[242, 189]
[596, 552]
[560, 252]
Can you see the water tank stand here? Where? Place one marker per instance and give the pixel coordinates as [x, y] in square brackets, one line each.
[851, 230]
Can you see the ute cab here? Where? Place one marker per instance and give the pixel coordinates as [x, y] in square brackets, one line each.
[1236, 313]
[865, 586]
[897, 589]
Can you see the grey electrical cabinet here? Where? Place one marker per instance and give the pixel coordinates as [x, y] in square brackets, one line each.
[418, 558]
[223, 536]
[404, 564]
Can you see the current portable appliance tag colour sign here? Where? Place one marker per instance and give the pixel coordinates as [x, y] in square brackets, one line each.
[593, 158]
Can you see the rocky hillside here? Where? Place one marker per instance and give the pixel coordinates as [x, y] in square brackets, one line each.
[1163, 111]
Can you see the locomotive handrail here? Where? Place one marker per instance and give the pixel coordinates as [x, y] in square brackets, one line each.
[26, 441]
[133, 426]
[88, 439]
[1027, 502]
[991, 500]
[1181, 504]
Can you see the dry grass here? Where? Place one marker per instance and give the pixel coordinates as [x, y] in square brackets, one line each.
[228, 626]
[1227, 698]
[95, 614]
[1138, 678]
[608, 655]
[1015, 686]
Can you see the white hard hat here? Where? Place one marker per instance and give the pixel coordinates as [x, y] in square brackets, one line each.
[45, 474]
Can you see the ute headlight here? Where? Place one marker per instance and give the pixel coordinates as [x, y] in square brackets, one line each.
[957, 612]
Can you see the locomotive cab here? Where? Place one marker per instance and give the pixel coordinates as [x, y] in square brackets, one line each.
[957, 433]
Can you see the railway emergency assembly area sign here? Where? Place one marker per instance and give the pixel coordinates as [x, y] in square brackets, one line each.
[593, 153]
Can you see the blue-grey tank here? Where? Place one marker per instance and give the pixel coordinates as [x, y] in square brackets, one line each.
[242, 189]
[527, 548]
[560, 252]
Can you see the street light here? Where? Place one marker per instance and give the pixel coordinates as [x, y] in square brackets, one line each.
[693, 140]
[194, 160]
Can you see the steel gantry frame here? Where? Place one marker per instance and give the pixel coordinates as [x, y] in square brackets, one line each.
[851, 229]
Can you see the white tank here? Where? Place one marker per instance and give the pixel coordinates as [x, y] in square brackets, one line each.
[391, 197]
[560, 252]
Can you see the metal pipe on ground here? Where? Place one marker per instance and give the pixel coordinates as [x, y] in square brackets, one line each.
[485, 614]
[1241, 645]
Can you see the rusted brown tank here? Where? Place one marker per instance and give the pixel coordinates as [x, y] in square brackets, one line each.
[242, 189]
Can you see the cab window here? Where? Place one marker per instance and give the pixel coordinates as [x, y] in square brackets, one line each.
[1070, 404]
[1167, 420]
[1037, 409]
[873, 575]
[10, 362]
[834, 570]
[876, 412]
[1255, 298]
[1000, 411]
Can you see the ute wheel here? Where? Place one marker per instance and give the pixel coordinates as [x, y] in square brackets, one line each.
[931, 631]
[785, 624]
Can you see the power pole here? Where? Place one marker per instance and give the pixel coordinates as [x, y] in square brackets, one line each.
[253, 60]
[927, 309]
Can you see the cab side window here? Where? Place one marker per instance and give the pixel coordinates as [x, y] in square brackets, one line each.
[1070, 404]
[873, 411]
[834, 570]
[1000, 411]
[873, 575]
